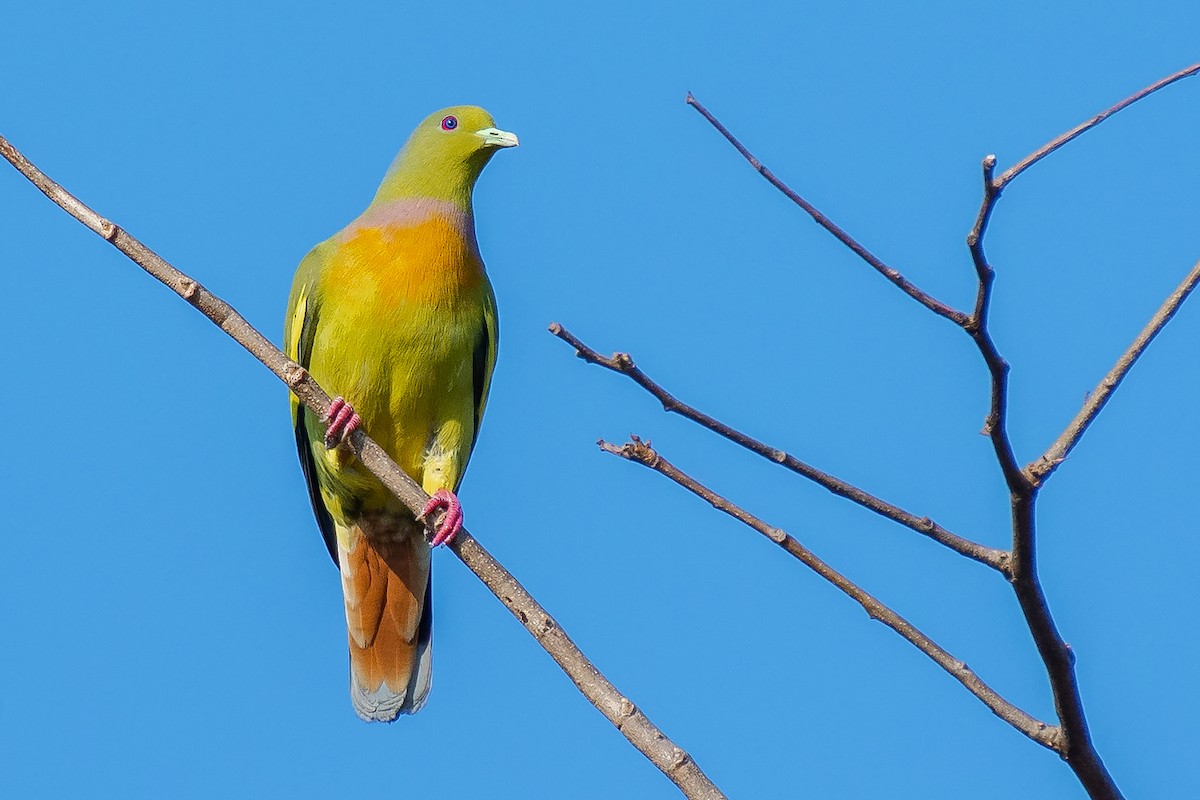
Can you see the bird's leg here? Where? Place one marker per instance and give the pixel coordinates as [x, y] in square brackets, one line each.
[452, 520]
[342, 422]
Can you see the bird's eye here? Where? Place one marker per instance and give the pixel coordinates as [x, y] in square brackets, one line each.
[449, 123]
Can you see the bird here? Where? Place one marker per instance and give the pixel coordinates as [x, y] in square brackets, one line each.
[396, 315]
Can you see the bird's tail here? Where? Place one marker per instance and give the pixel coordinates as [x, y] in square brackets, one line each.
[386, 584]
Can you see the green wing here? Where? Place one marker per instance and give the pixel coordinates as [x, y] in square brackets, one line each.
[299, 332]
[484, 359]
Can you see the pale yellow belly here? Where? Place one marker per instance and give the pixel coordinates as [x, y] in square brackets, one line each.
[413, 388]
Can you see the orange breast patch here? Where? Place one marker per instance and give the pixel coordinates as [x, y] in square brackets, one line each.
[429, 262]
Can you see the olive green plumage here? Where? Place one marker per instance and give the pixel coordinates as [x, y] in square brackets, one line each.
[396, 314]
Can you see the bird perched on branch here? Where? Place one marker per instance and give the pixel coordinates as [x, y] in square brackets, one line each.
[396, 314]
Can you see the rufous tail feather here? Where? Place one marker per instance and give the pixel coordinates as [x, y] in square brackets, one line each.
[385, 581]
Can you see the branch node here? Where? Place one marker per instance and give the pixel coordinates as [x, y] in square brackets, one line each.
[294, 376]
[109, 230]
[643, 451]
[989, 166]
[188, 289]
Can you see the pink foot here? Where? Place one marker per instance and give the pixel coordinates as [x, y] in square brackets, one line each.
[342, 422]
[452, 520]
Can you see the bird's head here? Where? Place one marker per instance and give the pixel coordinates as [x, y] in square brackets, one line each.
[444, 155]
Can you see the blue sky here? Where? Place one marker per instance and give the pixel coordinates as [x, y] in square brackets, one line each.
[172, 622]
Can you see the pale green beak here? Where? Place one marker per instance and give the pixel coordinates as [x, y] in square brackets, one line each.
[494, 137]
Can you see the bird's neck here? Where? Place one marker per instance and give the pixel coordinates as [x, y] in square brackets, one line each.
[450, 180]
[409, 212]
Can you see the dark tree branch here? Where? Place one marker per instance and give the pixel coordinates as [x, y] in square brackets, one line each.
[1046, 735]
[1078, 749]
[622, 363]
[996, 425]
[1075, 743]
[893, 275]
[674, 762]
[1045, 464]
[1057, 142]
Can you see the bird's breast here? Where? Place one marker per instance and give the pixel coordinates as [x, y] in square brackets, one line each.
[405, 296]
[403, 254]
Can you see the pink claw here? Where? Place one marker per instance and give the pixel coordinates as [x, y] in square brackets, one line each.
[342, 422]
[452, 520]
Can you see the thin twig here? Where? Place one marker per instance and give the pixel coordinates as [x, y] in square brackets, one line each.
[1057, 142]
[996, 425]
[893, 275]
[622, 363]
[674, 762]
[1046, 735]
[1044, 465]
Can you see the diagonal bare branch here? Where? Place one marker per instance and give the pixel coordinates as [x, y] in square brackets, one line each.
[622, 363]
[1046, 735]
[1058, 141]
[893, 275]
[1044, 465]
[674, 762]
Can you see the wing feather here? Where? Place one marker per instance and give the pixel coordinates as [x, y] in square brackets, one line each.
[299, 333]
[484, 359]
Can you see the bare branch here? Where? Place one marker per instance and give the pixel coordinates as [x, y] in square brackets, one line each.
[1076, 745]
[623, 364]
[893, 275]
[1059, 659]
[1046, 735]
[1049, 147]
[996, 426]
[674, 762]
[1023, 484]
[1048, 462]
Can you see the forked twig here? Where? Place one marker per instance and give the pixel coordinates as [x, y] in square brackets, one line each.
[1058, 141]
[996, 425]
[1048, 462]
[1023, 484]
